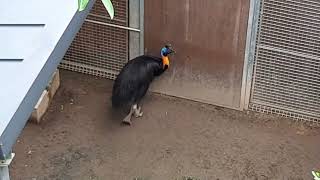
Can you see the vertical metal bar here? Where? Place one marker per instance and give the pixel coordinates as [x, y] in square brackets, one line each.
[4, 173]
[253, 23]
[247, 52]
[128, 32]
[134, 22]
[255, 54]
[141, 27]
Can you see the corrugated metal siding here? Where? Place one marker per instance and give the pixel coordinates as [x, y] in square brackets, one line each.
[100, 49]
[287, 63]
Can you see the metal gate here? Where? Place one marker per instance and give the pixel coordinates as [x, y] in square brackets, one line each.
[286, 70]
[103, 46]
[209, 38]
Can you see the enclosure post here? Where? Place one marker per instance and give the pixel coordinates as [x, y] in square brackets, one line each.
[4, 173]
[252, 30]
[136, 45]
[141, 27]
[4, 167]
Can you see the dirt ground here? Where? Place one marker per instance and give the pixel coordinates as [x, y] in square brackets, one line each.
[81, 139]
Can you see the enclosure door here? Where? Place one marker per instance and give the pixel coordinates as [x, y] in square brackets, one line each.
[209, 38]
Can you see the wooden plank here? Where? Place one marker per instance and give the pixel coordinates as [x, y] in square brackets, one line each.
[44, 101]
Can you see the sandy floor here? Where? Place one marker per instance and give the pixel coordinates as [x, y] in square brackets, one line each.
[81, 139]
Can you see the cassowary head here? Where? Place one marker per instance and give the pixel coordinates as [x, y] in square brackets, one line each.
[165, 51]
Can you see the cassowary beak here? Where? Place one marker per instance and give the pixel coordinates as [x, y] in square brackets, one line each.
[171, 51]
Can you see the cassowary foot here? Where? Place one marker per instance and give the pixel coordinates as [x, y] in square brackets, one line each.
[127, 119]
[137, 112]
[140, 114]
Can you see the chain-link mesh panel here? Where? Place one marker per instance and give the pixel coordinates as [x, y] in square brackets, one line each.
[99, 49]
[287, 62]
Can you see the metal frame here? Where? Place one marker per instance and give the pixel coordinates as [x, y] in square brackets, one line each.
[132, 24]
[102, 59]
[300, 116]
[247, 76]
[136, 21]
[286, 57]
[4, 167]
[114, 25]
[141, 27]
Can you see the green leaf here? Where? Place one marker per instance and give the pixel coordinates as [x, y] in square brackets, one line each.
[82, 4]
[316, 175]
[109, 7]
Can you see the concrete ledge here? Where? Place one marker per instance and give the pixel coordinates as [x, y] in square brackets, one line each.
[41, 107]
[45, 99]
[54, 84]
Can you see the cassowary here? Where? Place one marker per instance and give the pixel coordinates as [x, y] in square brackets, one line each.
[133, 81]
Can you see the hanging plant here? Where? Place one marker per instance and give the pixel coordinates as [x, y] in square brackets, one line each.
[82, 4]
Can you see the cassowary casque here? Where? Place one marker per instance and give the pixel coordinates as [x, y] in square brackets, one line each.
[134, 79]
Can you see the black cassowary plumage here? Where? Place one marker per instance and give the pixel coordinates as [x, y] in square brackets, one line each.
[134, 79]
[133, 82]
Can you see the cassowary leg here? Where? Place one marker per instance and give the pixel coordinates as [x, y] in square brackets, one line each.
[137, 111]
[127, 119]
